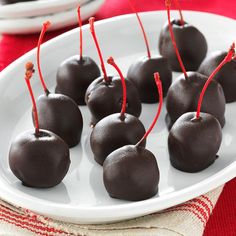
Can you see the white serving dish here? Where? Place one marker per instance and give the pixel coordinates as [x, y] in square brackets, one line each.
[82, 198]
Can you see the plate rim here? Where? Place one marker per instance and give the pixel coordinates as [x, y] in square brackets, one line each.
[30, 6]
[26, 25]
[133, 209]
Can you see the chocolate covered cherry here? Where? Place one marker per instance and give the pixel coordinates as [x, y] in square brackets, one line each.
[195, 138]
[57, 112]
[193, 143]
[76, 73]
[104, 95]
[190, 41]
[74, 76]
[39, 158]
[131, 172]
[141, 71]
[105, 98]
[226, 77]
[61, 115]
[116, 130]
[183, 94]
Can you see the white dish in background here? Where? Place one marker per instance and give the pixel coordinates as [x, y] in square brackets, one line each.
[81, 197]
[37, 8]
[59, 20]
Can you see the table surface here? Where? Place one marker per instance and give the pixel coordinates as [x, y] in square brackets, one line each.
[223, 220]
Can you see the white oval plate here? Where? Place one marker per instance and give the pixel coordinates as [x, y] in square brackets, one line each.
[82, 198]
[59, 20]
[36, 8]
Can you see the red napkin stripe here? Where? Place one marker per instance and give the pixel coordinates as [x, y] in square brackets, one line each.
[207, 208]
[13, 214]
[23, 227]
[208, 200]
[195, 207]
[28, 223]
[196, 213]
[200, 208]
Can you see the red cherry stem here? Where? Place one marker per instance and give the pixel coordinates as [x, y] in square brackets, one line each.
[112, 62]
[168, 4]
[92, 30]
[142, 28]
[180, 12]
[29, 70]
[230, 56]
[43, 31]
[159, 86]
[80, 33]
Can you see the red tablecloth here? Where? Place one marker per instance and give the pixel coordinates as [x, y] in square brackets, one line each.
[223, 219]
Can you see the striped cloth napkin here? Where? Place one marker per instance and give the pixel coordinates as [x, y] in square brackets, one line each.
[189, 218]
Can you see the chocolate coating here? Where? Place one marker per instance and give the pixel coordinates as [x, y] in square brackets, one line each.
[183, 96]
[194, 143]
[190, 41]
[141, 74]
[226, 76]
[39, 161]
[74, 76]
[131, 173]
[60, 114]
[113, 132]
[105, 98]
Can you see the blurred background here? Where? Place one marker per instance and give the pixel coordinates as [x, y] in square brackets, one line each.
[20, 22]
